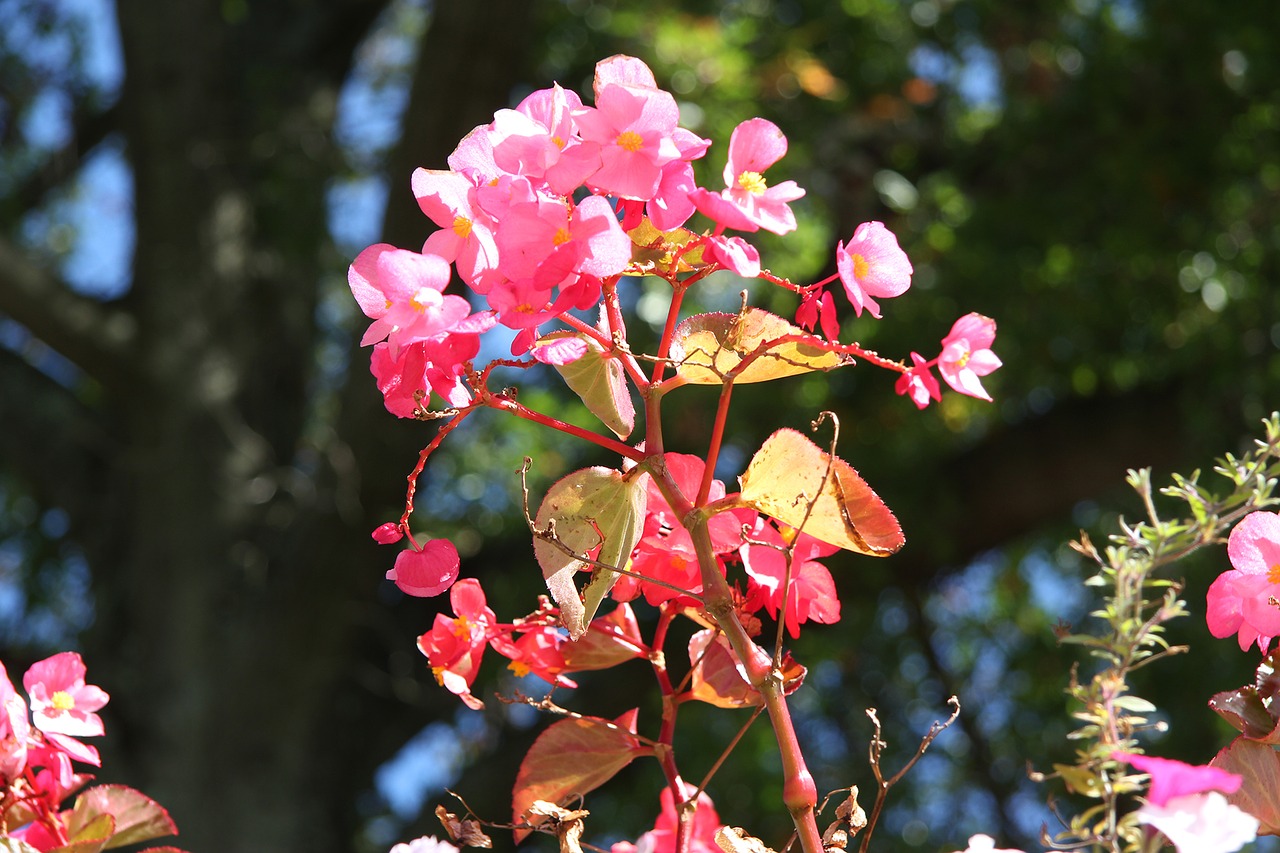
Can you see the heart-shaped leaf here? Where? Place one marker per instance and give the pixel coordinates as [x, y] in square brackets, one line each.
[136, 816]
[706, 347]
[786, 475]
[572, 757]
[596, 512]
[601, 384]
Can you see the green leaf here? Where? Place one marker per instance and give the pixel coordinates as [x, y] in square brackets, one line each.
[572, 757]
[137, 817]
[600, 382]
[786, 475]
[705, 347]
[595, 511]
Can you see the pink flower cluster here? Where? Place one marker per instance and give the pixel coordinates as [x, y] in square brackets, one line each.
[1246, 600]
[36, 751]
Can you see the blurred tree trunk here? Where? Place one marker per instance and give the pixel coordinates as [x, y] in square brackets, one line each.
[211, 475]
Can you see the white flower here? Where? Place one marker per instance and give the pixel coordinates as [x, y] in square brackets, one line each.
[425, 844]
[1201, 823]
[986, 844]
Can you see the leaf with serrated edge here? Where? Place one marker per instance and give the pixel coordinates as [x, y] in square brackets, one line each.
[1259, 794]
[572, 757]
[593, 508]
[601, 384]
[705, 347]
[137, 816]
[786, 474]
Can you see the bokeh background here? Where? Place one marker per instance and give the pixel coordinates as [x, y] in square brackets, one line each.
[192, 451]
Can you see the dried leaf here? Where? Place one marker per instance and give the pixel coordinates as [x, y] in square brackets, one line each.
[465, 831]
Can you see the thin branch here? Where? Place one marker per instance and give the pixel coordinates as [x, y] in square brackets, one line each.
[88, 333]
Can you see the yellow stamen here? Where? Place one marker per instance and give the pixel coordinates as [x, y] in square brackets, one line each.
[630, 140]
[562, 236]
[461, 627]
[62, 700]
[752, 182]
[438, 672]
[860, 266]
[1273, 576]
[462, 227]
[558, 142]
[520, 668]
[524, 308]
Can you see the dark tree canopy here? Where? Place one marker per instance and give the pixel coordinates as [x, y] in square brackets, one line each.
[205, 446]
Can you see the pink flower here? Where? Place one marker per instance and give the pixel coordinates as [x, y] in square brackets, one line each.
[634, 124]
[426, 571]
[734, 253]
[1240, 600]
[425, 844]
[812, 592]
[966, 354]
[986, 844]
[403, 292]
[1186, 803]
[454, 647]
[662, 838]
[748, 203]
[919, 383]
[465, 237]
[15, 729]
[387, 534]
[872, 265]
[539, 139]
[61, 703]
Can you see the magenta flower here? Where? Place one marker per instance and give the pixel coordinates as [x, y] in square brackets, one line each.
[748, 203]
[426, 571]
[454, 647]
[403, 293]
[734, 253]
[465, 238]
[966, 355]
[539, 139]
[1170, 778]
[919, 383]
[61, 703]
[812, 593]
[1241, 600]
[1186, 803]
[872, 265]
[634, 123]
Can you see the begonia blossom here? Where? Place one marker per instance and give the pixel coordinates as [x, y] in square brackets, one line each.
[15, 728]
[466, 235]
[872, 265]
[455, 646]
[811, 594]
[1186, 803]
[539, 139]
[403, 293]
[61, 702]
[425, 844]
[634, 123]
[1242, 600]
[426, 571]
[919, 383]
[748, 203]
[986, 844]
[966, 355]
[662, 838]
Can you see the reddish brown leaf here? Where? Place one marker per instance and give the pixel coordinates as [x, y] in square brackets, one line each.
[1259, 764]
[610, 640]
[137, 817]
[573, 757]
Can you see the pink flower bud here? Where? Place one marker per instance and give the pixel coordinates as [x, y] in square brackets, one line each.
[387, 534]
[427, 572]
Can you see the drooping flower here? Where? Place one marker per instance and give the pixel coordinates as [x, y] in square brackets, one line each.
[919, 383]
[1186, 803]
[747, 202]
[812, 593]
[426, 571]
[873, 264]
[455, 646]
[662, 838]
[966, 355]
[1241, 600]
